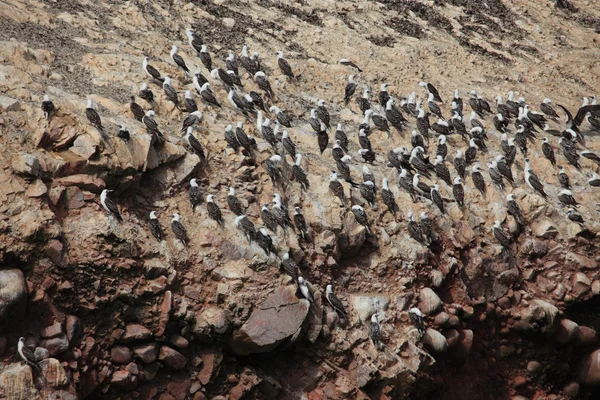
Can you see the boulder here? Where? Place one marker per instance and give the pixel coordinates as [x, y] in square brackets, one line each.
[52, 331]
[544, 228]
[278, 318]
[9, 104]
[352, 237]
[26, 164]
[589, 372]
[13, 291]
[54, 372]
[124, 380]
[581, 284]
[172, 358]
[566, 332]
[120, 355]
[429, 301]
[56, 345]
[179, 341]
[435, 341]
[212, 320]
[147, 352]
[587, 336]
[165, 313]
[540, 315]
[17, 382]
[41, 353]
[135, 332]
[365, 305]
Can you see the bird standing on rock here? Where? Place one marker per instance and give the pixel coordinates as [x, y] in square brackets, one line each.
[178, 229]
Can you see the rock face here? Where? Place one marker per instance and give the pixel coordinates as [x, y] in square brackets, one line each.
[157, 319]
[276, 319]
[13, 291]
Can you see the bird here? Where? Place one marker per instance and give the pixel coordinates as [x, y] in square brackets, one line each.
[246, 226]
[363, 101]
[289, 266]
[194, 194]
[594, 179]
[231, 138]
[345, 61]
[306, 289]
[416, 317]
[48, 107]
[350, 89]
[123, 133]
[478, 179]
[155, 227]
[367, 191]
[375, 331]
[532, 179]
[272, 168]
[322, 112]
[178, 60]
[591, 156]
[150, 70]
[300, 222]
[299, 173]
[563, 178]
[145, 93]
[460, 164]
[205, 57]
[208, 96]
[213, 209]
[495, 175]
[152, 127]
[265, 242]
[431, 89]
[263, 83]
[178, 229]
[442, 148]
[231, 64]
[433, 107]
[109, 205]
[501, 235]
[336, 187]
[335, 302]
[441, 170]
[284, 66]
[280, 212]
[268, 218]
[383, 96]
[458, 191]
[546, 108]
[436, 198]
[471, 152]
[565, 196]
[288, 144]
[548, 151]
[92, 115]
[361, 216]
[192, 119]
[194, 40]
[247, 63]
[137, 110]
[414, 230]
[282, 117]
[235, 205]
[512, 208]
[573, 216]
[505, 169]
[388, 197]
[28, 356]
[198, 81]
[194, 143]
[344, 170]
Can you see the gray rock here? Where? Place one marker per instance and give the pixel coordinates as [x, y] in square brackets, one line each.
[365, 305]
[435, 341]
[41, 353]
[135, 332]
[539, 315]
[212, 320]
[17, 380]
[52, 331]
[9, 104]
[54, 372]
[534, 367]
[429, 301]
[13, 291]
[353, 236]
[26, 164]
[278, 318]
[124, 380]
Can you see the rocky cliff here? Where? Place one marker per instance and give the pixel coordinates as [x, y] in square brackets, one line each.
[113, 313]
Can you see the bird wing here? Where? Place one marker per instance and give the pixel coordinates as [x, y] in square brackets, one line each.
[179, 61]
[93, 117]
[153, 72]
[567, 112]
[195, 144]
[336, 303]
[111, 205]
[156, 229]
[179, 230]
[581, 113]
[285, 67]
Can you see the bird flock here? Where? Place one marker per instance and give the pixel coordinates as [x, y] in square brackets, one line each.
[439, 149]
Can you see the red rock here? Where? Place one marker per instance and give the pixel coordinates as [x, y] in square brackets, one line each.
[211, 359]
[586, 336]
[179, 387]
[165, 313]
[73, 328]
[82, 181]
[135, 332]
[52, 331]
[179, 341]
[566, 332]
[199, 396]
[56, 345]
[147, 352]
[124, 380]
[120, 355]
[171, 357]
[133, 368]
[589, 372]
[149, 372]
